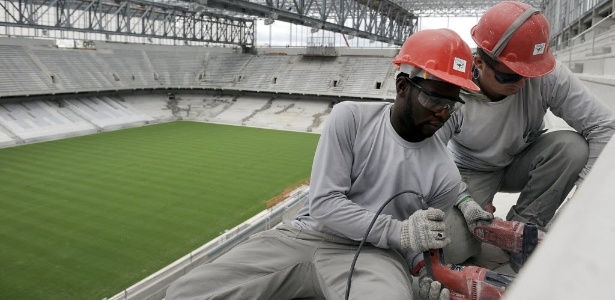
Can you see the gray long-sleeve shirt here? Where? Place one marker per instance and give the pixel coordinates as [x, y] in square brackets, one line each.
[360, 162]
[485, 136]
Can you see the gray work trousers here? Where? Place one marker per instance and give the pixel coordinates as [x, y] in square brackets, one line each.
[543, 173]
[289, 263]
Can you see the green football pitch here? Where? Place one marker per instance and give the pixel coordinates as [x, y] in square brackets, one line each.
[86, 217]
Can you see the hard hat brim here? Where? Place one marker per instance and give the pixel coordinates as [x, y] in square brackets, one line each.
[534, 68]
[458, 81]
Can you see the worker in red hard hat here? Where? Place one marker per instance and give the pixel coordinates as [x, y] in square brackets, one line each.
[375, 165]
[498, 139]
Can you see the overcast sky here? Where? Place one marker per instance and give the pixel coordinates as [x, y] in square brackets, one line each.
[281, 34]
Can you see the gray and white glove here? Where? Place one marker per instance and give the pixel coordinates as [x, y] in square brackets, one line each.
[430, 289]
[473, 213]
[424, 230]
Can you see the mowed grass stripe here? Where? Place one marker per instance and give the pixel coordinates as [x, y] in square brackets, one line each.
[86, 217]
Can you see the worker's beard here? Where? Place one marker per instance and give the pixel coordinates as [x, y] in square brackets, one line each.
[418, 131]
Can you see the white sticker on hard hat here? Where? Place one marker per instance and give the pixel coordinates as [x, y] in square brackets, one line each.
[459, 65]
[539, 49]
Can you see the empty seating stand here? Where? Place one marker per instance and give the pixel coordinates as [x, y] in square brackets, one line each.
[107, 113]
[20, 75]
[31, 121]
[76, 70]
[44, 69]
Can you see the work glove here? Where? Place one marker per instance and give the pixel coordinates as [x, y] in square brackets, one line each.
[473, 213]
[430, 289]
[424, 230]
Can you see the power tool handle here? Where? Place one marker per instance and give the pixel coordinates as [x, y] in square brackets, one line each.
[427, 254]
[428, 266]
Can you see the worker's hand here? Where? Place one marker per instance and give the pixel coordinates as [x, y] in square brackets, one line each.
[430, 289]
[424, 230]
[473, 213]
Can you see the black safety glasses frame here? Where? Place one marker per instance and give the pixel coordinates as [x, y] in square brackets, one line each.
[503, 78]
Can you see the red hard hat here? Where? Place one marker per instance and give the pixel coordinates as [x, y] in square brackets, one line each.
[517, 35]
[441, 53]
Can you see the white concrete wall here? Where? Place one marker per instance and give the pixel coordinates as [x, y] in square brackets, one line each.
[576, 261]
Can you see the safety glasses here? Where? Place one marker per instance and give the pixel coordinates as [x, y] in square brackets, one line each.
[436, 103]
[503, 78]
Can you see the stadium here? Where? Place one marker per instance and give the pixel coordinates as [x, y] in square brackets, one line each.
[140, 139]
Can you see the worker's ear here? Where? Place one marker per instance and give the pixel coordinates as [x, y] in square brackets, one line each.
[478, 61]
[402, 86]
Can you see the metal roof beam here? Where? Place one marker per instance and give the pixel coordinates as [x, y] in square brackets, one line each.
[129, 17]
[378, 20]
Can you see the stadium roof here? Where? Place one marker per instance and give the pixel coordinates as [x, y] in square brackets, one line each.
[378, 20]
